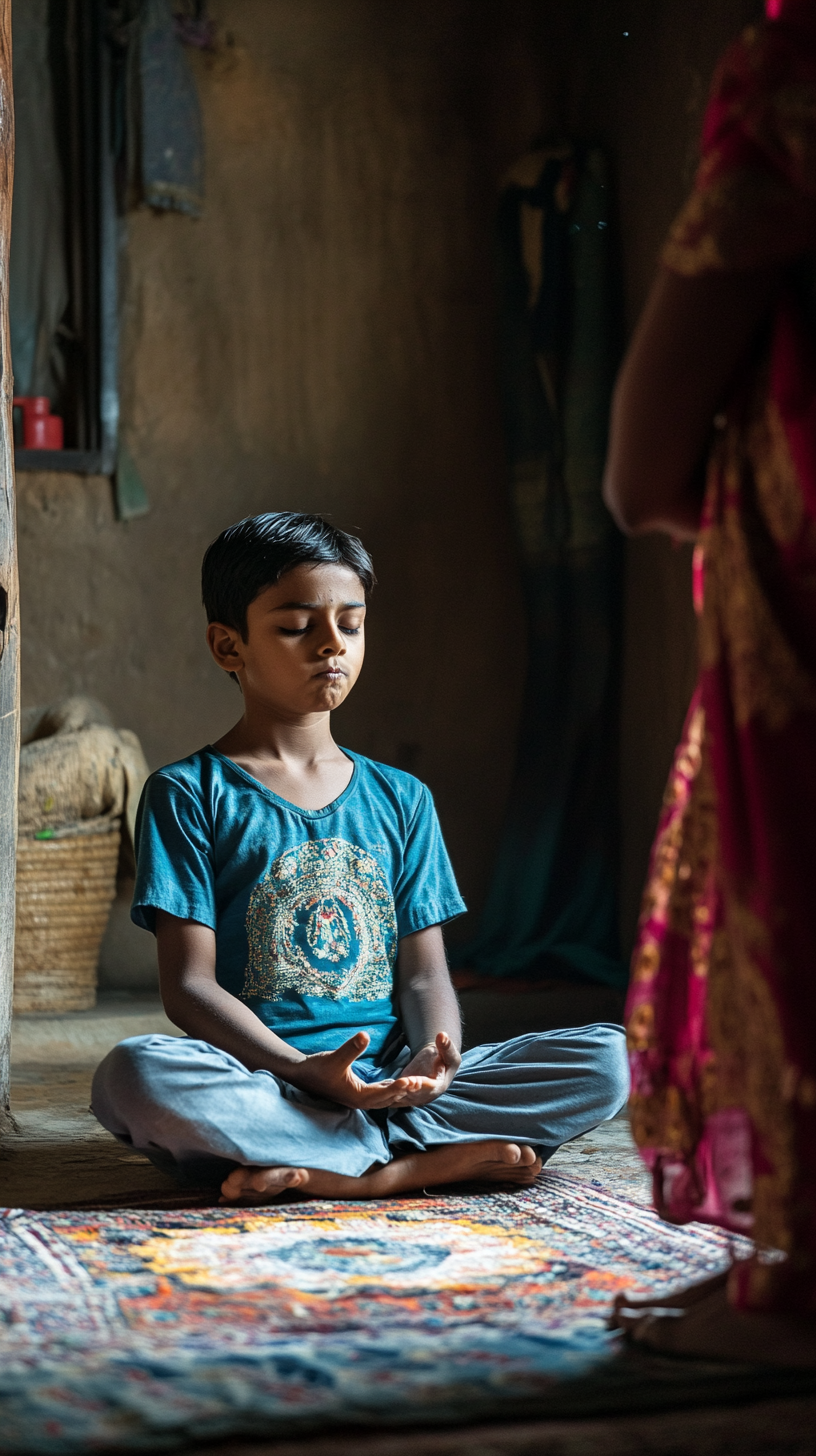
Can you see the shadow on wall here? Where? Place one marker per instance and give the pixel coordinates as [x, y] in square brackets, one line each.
[634, 75]
[127, 959]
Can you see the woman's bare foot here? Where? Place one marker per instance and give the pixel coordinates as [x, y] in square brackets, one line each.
[699, 1321]
[682, 1299]
[490, 1162]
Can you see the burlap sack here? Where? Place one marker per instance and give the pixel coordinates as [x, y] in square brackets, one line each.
[77, 772]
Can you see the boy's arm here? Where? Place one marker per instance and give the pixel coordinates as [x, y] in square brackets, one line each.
[196, 1003]
[429, 1012]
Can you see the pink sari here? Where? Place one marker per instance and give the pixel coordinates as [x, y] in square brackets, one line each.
[721, 1013]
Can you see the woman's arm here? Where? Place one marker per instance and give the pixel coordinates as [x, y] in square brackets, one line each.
[196, 1003]
[685, 351]
[429, 1012]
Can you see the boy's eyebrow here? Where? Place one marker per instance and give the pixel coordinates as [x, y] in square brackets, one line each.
[310, 606]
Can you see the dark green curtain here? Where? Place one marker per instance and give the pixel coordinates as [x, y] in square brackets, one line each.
[38, 269]
[552, 908]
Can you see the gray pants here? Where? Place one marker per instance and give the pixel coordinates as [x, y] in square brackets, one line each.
[196, 1111]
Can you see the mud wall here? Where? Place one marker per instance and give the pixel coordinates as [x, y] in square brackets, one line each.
[323, 338]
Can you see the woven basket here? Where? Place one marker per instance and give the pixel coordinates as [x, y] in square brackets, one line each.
[65, 888]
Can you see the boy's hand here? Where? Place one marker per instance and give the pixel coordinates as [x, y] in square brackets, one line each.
[330, 1075]
[435, 1065]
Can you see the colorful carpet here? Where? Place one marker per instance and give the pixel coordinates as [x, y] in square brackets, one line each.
[142, 1331]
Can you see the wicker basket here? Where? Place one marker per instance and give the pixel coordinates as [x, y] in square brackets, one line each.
[65, 888]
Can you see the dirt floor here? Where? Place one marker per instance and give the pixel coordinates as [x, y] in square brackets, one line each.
[60, 1155]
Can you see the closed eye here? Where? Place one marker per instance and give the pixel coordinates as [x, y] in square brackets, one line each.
[300, 631]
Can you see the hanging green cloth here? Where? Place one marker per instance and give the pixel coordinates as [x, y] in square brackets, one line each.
[552, 911]
[38, 268]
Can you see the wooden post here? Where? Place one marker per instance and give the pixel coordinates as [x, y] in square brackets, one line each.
[9, 619]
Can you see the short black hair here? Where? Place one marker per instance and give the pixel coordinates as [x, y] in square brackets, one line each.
[256, 552]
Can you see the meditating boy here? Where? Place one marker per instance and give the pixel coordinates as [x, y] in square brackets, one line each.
[297, 892]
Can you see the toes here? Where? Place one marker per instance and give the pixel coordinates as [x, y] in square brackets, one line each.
[262, 1180]
[242, 1181]
[519, 1155]
[522, 1172]
[232, 1185]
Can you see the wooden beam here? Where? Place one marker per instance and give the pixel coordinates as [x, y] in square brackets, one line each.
[9, 612]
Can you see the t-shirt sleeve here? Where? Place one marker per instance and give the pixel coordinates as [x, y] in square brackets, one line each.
[427, 892]
[174, 856]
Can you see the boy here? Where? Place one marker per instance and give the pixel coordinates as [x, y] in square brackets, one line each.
[297, 892]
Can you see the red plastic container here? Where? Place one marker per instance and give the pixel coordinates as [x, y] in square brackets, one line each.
[41, 429]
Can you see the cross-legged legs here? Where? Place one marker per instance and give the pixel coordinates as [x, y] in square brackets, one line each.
[196, 1110]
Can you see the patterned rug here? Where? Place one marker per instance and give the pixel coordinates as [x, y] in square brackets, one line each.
[142, 1331]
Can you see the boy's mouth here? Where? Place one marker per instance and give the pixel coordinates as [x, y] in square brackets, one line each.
[332, 674]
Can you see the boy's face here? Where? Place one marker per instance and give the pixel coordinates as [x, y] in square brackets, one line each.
[305, 642]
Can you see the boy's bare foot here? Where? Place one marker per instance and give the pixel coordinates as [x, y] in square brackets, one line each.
[699, 1321]
[490, 1162]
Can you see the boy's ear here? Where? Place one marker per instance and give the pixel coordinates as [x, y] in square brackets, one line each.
[225, 645]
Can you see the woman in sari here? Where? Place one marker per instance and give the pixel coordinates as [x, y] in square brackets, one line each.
[714, 438]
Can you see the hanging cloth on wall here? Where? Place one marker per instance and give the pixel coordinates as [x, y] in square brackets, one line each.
[38, 282]
[551, 911]
[158, 137]
[172, 144]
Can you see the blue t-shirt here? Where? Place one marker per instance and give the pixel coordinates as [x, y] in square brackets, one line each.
[307, 905]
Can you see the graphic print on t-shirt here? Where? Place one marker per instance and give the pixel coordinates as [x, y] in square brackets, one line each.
[321, 922]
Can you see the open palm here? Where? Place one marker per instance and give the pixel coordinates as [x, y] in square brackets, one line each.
[434, 1066]
[330, 1075]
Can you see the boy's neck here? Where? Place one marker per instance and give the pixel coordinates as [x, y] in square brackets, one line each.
[298, 760]
[297, 740]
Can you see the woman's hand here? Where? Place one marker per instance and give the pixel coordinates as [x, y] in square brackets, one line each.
[330, 1075]
[435, 1065]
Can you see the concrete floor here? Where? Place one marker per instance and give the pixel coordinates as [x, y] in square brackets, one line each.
[60, 1155]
